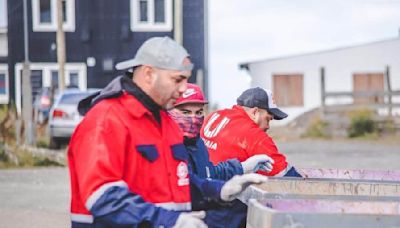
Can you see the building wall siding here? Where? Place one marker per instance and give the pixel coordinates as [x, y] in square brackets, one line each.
[340, 65]
[102, 31]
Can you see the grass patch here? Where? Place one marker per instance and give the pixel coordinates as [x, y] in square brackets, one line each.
[362, 124]
[317, 129]
[17, 157]
[40, 161]
[42, 142]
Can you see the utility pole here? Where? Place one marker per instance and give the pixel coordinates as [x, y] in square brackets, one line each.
[26, 86]
[60, 46]
[178, 22]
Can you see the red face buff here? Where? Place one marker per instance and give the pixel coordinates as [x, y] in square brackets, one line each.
[190, 125]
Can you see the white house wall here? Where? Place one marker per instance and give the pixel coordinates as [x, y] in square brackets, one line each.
[340, 65]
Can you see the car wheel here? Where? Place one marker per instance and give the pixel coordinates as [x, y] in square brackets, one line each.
[54, 143]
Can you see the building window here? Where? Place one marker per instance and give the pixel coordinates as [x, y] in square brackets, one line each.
[74, 79]
[54, 78]
[151, 15]
[45, 11]
[44, 14]
[46, 75]
[3, 88]
[288, 90]
[4, 93]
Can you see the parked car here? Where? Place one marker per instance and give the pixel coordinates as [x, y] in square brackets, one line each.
[64, 115]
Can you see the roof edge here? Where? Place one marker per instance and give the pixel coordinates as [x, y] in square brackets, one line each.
[245, 65]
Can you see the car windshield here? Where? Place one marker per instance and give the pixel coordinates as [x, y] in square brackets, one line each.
[73, 98]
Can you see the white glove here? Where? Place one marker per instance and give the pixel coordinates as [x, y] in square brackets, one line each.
[191, 220]
[237, 184]
[257, 162]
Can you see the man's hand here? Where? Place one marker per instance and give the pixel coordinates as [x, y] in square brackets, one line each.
[192, 219]
[237, 184]
[257, 162]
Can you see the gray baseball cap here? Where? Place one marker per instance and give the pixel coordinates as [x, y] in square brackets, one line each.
[260, 98]
[161, 52]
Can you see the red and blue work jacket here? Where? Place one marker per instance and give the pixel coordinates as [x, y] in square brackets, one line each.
[127, 168]
[230, 133]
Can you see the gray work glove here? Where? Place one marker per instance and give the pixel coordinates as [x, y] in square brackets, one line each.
[239, 183]
[257, 162]
[192, 219]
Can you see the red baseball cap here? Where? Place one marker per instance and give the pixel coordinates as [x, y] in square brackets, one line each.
[192, 94]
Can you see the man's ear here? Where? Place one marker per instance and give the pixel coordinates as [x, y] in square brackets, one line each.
[253, 112]
[148, 73]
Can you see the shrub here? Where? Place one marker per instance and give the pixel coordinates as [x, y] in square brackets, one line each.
[42, 143]
[7, 123]
[40, 161]
[3, 156]
[23, 158]
[317, 129]
[362, 123]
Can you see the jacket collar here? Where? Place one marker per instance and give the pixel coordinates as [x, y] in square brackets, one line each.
[133, 89]
[120, 86]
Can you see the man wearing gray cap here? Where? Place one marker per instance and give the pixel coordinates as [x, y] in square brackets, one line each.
[127, 162]
[240, 132]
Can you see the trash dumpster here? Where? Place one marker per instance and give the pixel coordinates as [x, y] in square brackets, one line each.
[296, 213]
[328, 186]
[357, 174]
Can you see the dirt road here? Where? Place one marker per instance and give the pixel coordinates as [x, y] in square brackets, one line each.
[40, 197]
[343, 154]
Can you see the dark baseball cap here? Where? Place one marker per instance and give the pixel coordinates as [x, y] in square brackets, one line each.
[260, 98]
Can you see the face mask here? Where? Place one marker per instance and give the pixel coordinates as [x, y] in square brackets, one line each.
[190, 126]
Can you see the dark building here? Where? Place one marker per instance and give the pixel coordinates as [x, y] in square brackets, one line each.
[98, 34]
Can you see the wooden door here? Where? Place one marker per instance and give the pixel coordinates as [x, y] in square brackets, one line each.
[288, 89]
[368, 82]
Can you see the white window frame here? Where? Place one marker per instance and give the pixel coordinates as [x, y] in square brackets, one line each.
[150, 25]
[5, 98]
[68, 26]
[46, 69]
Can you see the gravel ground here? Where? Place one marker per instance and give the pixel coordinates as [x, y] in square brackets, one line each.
[344, 154]
[34, 198]
[40, 197]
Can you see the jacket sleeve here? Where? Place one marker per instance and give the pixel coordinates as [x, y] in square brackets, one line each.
[97, 153]
[261, 143]
[116, 205]
[223, 170]
[227, 169]
[292, 172]
[205, 192]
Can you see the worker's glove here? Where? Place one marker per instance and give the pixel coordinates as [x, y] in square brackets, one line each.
[191, 220]
[257, 162]
[237, 184]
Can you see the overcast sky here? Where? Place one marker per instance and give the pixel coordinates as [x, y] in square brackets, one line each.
[245, 30]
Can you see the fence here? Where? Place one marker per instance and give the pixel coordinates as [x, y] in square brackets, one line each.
[377, 95]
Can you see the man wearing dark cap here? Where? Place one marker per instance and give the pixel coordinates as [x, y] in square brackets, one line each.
[127, 162]
[240, 132]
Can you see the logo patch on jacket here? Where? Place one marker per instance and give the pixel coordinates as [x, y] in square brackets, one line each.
[182, 173]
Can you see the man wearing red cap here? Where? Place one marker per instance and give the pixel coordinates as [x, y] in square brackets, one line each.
[188, 112]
